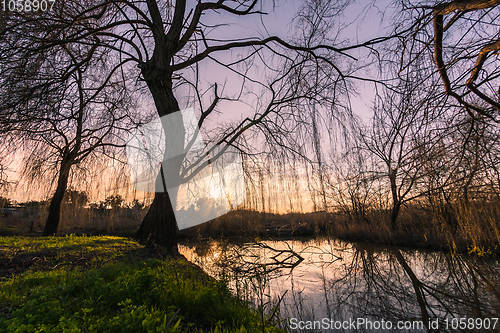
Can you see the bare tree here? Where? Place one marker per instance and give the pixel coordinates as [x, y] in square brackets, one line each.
[464, 41]
[402, 130]
[60, 108]
[168, 42]
[428, 143]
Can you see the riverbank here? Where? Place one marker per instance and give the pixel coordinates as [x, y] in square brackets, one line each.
[415, 230]
[474, 231]
[111, 284]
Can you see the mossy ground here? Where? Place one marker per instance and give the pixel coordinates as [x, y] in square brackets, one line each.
[111, 284]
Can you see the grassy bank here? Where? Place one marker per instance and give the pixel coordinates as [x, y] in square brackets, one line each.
[111, 284]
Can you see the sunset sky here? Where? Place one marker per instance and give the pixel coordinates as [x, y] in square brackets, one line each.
[359, 23]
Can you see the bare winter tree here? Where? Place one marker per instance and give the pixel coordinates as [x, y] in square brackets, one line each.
[403, 129]
[59, 108]
[168, 44]
[463, 39]
[455, 44]
[440, 92]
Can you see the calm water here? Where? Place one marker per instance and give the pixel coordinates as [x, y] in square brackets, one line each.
[334, 286]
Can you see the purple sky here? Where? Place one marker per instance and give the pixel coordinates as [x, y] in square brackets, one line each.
[361, 22]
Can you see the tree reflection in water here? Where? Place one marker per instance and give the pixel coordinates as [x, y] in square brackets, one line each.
[342, 281]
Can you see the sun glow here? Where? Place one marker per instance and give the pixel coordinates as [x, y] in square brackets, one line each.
[216, 192]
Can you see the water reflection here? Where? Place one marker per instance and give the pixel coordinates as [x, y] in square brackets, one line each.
[355, 282]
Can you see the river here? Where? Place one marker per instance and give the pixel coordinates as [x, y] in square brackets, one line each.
[324, 285]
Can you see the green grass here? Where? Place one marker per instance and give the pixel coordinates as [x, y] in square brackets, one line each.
[111, 284]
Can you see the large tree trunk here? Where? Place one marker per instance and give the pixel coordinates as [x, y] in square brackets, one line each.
[394, 214]
[55, 204]
[396, 203]
[159, 226]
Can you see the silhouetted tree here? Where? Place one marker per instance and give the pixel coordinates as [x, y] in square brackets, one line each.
[461, 39]
[168, 42]
[59, 107]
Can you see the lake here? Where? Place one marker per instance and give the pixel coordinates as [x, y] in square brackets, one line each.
[323, 285]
